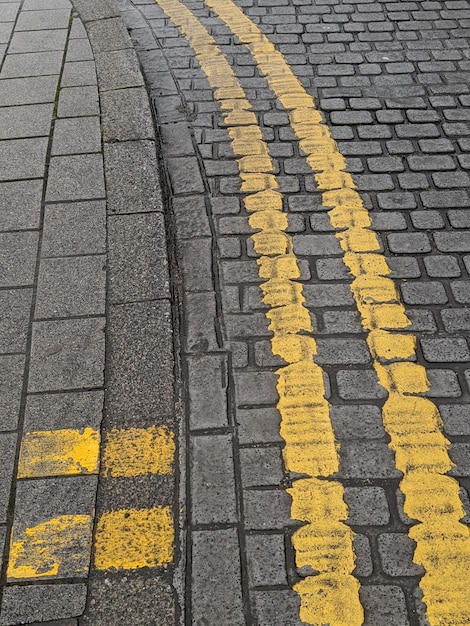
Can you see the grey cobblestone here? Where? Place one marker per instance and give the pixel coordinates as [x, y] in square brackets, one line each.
[440, 350]
[456, 419]
[42, 603]
[443, 384]
[266, 560]
[384, 605]
[358, 385]
[424, 293]
[396, 554]
[207, 380]
[367, 506]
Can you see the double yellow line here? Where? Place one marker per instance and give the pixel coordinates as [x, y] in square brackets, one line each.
[412, 422]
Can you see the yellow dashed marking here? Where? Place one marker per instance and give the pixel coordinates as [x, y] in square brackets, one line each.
[413, 423]
[138, 451]
[131, 539]
[325, 542]
[58, 547]
[59, 453]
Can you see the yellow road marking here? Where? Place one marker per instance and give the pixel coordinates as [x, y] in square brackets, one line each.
[132, 539]
[413, 423]
[59, 453]
[57, 547]
[325, 542]
[138, 451]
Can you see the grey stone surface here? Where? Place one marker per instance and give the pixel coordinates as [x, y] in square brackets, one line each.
[132, 177]
[41, 603]
[460, 455]
[118, 69]
[78, 73]
[129, 598]
[67, 354]
[277, 608]
[61, 237]
[267, 509]
[384, 605]
[63, 410]
[176, 139]
[138, 268]
[207, 386]
[75, 101]
[191, 217]
[43, 20]
[79, 50]
[456, 418]
[258, 425]
[8, 449]
[185, 176]
[37, 41]
[199, 326]
[90, 10]
[396, 554]
[367, 506]
[25, 121]
[441, 350]
[212, 480]
[18, 252]
[196, 264]
[266, 560]
[370, 459]
[362, 549]
[15, 307]
[76, 135]
[126, 115]
[224, 603]
[22, 158]
[361, 421]
[108, 34]
[139, 359]
[32, 64]
[261, 466]
[78, 177]
[359, 385]
[71, 286]
[255, 388]
[342, 351]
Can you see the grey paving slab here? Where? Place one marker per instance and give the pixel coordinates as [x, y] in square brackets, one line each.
[266, 560]
[43, 20]
[18, 252]
[20, 204]
[277, 608]
[79, 177]
[11, 385]
[25, 121]
[90, 10]
[118, 69]
[199, 329]
[258, 425]
[37, 41]
[222, 577]
[41, 602]
[261, 466]
[6, 29]
[267, 509]
[15, 308]
[67, 354]
[78, 101]
[79, 50]
[109, 34]
[78, 74]
[61, 237]
[31, 90]
[126, 115]
[71, 286]
[8, 450]
[32, 64]
[138, 268]
[77, 31]
[9, 11]
[40, 5]
[132, 166]
[23, 158]
[76, 136]
[384, 605]
[208, 383]
[56, 411]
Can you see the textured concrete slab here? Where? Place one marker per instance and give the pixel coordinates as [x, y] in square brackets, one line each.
[32, 64]
[15, 305]
[37, 41]
[22, 158]
[18, 252]
[77, 177]
[78, 101]
[25, 121]
[36, 89]
[61, 237]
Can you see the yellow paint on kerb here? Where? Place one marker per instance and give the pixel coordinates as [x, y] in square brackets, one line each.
[57, 547]
[131, 539]
[325, 542]
[59, 453]
[413, 422]
[138, 451]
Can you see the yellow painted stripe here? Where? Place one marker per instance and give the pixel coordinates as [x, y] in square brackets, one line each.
[57, 547]
[325, 542]
[59, 453]
[138, 451]
[413, 423]
[131, 539]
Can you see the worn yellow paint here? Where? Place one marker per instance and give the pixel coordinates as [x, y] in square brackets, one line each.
[57, 547]
[59, 453]
[413, 422]
[138, 451]
[131, 539]
[331, 597]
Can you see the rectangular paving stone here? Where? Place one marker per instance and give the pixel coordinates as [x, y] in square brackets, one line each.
[63, 237]
[42, 602]
[370, 459]
[76, 135]
[267, 509]
[221, 576]
[185, 176]
[126, 115]
[57, 411]
[140, 344]
[255, 388]
[212, 480]
[361, 421]
[196, 264]
[132, 177]
[8, 451]
[79, 50]
[20, 204]
[9, 11]
[258, 425]
[78, 101]
[5, 31]
[456, 418]
[18, 253]
[71, 286]
[37, 41]
[67, 354]
[266, 560]
[43, 20]
[78, 177]
[277, 608]
[25, 121]
[36, 89]
[191, 217]
[367, 506]
[384, 605]
[78, 73]
[41, 5]
[207, 382]
[261, 466]
[107, 35]
[15, 309]
[118, 69]
[89, 10]
[199, 325]
[23, 158]
[138, 268]
[32, 64]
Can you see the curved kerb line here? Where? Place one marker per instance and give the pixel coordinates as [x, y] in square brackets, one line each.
[324, 543]
[413, 422]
